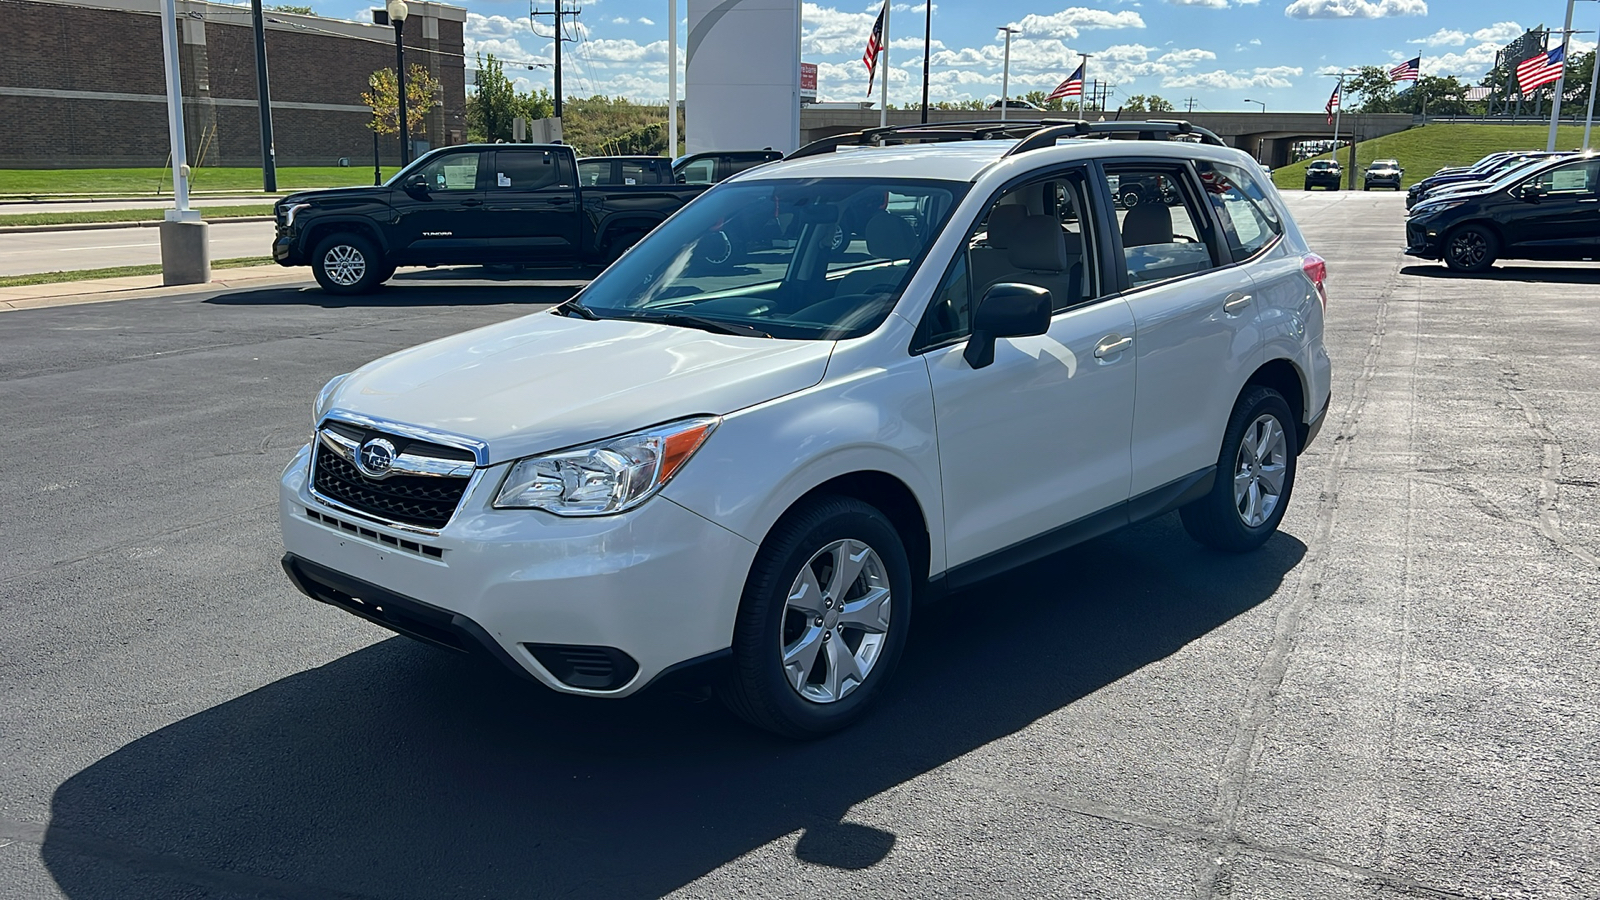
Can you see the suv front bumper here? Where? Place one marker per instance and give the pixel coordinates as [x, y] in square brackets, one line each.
[285, 249]
[653, 589]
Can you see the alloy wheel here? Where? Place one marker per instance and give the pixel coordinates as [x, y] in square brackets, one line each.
[835, 621]
[344, 264]
[1468, 249]
[1259, 470]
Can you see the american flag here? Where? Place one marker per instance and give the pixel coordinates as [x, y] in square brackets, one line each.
[1072, 87]
[874, 46]
[1410, 70]
[1540, 70]
[1333, 103]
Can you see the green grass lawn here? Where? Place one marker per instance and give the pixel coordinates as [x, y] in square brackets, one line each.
[120, 272]
[129, 215]
[1423, 151]
[158, 182]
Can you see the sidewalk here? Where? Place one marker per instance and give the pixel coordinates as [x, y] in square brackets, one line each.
[101, 290]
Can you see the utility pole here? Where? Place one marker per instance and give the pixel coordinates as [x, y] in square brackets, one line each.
[1190, 102]
[557, 16]
[269, 163]
[927, 46]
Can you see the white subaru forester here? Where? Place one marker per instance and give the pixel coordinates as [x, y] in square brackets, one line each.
[826, 389]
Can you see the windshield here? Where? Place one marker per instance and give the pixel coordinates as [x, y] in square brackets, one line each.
[812, 259]
[1386, 164]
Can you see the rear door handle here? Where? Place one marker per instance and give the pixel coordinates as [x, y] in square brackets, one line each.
[1236, 302]
[1112, 345]
[472, 203]
[560, 200]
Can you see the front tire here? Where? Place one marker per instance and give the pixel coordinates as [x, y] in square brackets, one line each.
[347, 264]
[1255, 475]
[1471, 248]
[822, 621]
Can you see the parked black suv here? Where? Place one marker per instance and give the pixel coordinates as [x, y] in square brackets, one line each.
[710, 168]
[517, 204]
[1551, 213]
[1324, 173]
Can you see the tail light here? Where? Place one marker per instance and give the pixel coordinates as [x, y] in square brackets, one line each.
[1316, 269]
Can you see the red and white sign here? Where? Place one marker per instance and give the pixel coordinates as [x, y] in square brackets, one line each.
[808, 82]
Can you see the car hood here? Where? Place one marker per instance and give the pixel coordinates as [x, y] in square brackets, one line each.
[544, 382]
[336, 195]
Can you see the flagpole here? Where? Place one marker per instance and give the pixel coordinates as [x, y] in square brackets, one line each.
[1338, 115]
[1561, 82]
[1083, 64]
[927, 47]
[672, 79]
[1594, 81]
[883, 101]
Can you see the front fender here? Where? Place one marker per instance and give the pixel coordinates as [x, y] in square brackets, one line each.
[763, 459]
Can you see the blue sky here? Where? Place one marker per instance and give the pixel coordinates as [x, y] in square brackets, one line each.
[1219, 52]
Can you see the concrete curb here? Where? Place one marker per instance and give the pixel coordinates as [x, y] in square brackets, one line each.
[100, 226]
[75, 293]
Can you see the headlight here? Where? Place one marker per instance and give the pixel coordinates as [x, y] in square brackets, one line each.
[608, 477]
[325, 399]
[1428, 209]
[288, 217]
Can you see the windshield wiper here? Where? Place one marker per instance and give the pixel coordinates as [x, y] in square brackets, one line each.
[575, 307]
[715, 326]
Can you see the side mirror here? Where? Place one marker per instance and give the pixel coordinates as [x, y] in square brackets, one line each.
[682, 179]
[1006, 310]
[416, 184]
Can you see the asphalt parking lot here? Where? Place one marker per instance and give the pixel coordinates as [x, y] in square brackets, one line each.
[1395, 698]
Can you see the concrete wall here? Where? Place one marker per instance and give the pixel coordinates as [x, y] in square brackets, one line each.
[81, 83]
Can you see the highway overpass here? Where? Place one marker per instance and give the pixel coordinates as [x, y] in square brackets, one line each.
[1266, 136]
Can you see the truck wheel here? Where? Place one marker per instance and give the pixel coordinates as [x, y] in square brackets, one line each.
[1308, 186]
[822, 621]
[1130, 198]
[1255, 475]
[347, 263]
[1470, 248]
[620, 243]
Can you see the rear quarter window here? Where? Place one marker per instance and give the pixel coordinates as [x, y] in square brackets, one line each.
[1249, 220]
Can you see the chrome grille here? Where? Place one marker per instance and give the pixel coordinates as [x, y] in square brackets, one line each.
[421, 490]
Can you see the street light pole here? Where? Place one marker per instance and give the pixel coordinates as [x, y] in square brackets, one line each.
[269, 162]
[1263, 105]
[397, 18]
[1005, 72]
[927, 46]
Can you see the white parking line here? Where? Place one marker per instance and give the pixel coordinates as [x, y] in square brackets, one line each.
[103, 247]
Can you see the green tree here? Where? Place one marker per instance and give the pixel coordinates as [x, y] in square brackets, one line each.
[1154, 103]
[422, 95]
[1369, 90]
[297, 10]
[493, 105]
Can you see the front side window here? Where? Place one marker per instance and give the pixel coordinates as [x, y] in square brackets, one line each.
[1031, 234]
[767, 257]
[701, 171]
[452, 172]
[592, 173]
[1569, 180]
[1160, 224]
[1249, 220]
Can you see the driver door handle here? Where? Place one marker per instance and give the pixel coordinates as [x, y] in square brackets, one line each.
[472, 203]
[1112, 345]
[1236, 302]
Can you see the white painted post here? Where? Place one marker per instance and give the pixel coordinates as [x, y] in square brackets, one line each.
[883, 100]
[672, 79]
[1561, 83]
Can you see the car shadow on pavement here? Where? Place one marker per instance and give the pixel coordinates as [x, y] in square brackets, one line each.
[404, 771]
[401, 296]
[1562, 274]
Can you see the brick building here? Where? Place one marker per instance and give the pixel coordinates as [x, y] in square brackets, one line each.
[82, 84]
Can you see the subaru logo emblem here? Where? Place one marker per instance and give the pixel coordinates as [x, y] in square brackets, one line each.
[375, 458]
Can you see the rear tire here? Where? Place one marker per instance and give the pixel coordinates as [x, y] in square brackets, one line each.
[1471, 249]
[347, 263]
[620, 243]
[812, 650]
[1255, 475]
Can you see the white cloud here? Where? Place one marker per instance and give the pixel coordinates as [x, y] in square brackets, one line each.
[1071, 21]
[643, 21]
[1355, 9]
[1273, 77]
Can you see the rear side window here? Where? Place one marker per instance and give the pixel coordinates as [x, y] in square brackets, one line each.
[1160, 223]
[701, 171]
[526, 170]
[593, 173]
[638, 173]
[1576, 179]
[1249, 220]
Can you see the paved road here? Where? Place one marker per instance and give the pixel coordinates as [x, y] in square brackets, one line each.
[1396, 698]
[54, 251]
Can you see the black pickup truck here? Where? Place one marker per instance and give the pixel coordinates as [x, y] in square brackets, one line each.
[516, 204]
